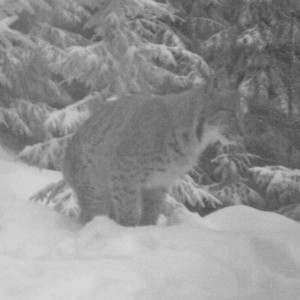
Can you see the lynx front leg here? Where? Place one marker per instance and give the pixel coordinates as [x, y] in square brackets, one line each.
[93, 200]
[152, 201]
[126, 203]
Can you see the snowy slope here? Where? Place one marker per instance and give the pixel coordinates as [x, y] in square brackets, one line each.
[236, 253]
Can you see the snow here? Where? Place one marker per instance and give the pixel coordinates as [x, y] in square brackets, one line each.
[235, 253]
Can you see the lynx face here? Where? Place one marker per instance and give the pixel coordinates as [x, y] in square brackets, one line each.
[124, 159]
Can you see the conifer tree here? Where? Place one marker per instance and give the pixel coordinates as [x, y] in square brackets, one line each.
[102, 49]
[254, 44]
[30, 90]
[60, 58]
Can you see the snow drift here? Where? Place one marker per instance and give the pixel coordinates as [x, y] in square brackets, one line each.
[235, 253]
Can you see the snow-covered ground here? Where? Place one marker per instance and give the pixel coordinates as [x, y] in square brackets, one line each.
[236, 253]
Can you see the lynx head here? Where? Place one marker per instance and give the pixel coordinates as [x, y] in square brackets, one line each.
[221, 118]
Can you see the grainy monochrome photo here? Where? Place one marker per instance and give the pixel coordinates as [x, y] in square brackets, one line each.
[150, 149]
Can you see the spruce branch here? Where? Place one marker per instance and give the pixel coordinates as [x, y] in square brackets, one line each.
[186, 190]
[68, 119]
[7, 35]
[47, 154]
[58, 196]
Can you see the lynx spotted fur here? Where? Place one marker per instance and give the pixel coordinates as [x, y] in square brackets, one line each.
[123, 160]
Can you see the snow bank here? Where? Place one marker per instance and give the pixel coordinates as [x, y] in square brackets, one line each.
[6, 154]
[236, 253]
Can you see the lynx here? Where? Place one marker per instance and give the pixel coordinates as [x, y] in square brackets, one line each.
[123, 160]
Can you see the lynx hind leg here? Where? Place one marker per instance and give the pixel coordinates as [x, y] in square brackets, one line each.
[152, 202]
